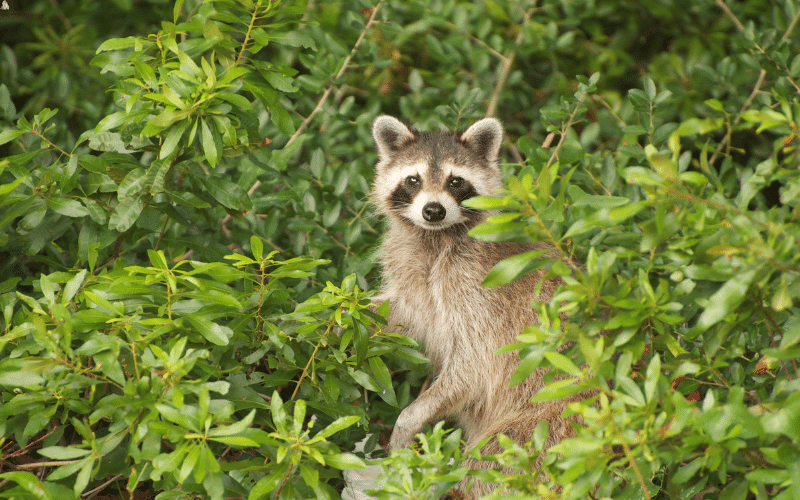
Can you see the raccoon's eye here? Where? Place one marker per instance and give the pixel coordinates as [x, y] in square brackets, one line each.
[456, 182]
[412, 181]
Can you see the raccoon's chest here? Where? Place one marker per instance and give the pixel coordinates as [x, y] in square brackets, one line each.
[436, 298]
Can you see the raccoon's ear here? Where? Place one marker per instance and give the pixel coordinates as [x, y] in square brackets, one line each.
[484, 137]
[390, 135]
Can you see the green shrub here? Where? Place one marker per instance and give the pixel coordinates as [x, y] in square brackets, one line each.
[150, 342]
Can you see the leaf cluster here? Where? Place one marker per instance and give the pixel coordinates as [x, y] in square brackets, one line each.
[187, 242]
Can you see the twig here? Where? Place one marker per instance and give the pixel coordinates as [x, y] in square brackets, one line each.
[327, 92]
[322, 99]
[161, 234]
[93, 493]
[247, 35]
[505, 68]
[26, 449]
[565, 130]
[38, 465]
[761, 75]
[48, 141]
[730, 14]
[477, 40]
[632, 461]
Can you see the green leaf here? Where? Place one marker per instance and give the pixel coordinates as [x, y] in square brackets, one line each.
[365, 380]
[48, 288]
[768, 476]
[227, 193]
[486, 202]
[514, 267]
[209, 144]
[214, 333]
[176, 416]
[310, 475]
[28, 482]
[580, 198]
[164, 120]
[723, 301]
[336, 426]
[661, 163]
[235, 428]
[63, 452]
[345, 461]
[278, 114]
[188, 465]
[652, 377]
[384, 378]
[127, 211]
[117, 44]
[173, 139]
[132, 184]
[605, 218]
[70, 208]
[257, 247]
[72, 286]
[267, 484]
[188, 199]
[630, 388]
[9, 135]
[282, 156]
[562, 363]
[237, 441]
[559, 389]
[20, 379]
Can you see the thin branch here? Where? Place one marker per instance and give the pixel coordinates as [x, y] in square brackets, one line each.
[791, 26]
[632, 460]
[475, 39]
[730, 14]
[39, 465]
[565, 130]
[328, 91]
[761, 75]
[26, 449]
[505, 68]
[247, 35]
[311, 359]
[48, 141]
[161, 234]
[93, 493]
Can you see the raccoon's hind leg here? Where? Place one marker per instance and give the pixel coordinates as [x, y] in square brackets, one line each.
[521, 431]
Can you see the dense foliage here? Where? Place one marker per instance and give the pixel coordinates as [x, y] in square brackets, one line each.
[187, 241]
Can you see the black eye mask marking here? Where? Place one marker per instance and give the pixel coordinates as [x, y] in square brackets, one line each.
[405, 191]
[460, 188]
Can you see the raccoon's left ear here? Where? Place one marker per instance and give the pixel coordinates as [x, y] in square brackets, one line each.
[484, 137]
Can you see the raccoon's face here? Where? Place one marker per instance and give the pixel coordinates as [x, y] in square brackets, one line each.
[422, 177]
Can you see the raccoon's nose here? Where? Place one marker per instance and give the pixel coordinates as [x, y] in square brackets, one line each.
[433, 212]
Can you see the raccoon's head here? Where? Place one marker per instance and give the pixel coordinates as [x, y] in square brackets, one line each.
[422, 177]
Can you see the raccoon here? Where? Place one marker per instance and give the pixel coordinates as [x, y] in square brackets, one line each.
[432, 272]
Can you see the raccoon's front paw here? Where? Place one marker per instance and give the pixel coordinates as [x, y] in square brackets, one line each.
[403, 432]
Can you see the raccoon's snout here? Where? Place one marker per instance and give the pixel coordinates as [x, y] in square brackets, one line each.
[433, 212]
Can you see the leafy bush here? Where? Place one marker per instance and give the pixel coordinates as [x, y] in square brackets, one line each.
[150, 343]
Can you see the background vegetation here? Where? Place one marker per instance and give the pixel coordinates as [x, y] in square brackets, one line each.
[183, 222]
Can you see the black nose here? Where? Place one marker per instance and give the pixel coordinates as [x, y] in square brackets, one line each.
[433, 212]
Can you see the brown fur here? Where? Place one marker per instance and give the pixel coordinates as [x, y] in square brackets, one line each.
[433, 279]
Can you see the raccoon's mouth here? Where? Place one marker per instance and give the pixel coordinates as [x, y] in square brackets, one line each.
[441, 225]
[437, 226]
[429, 226]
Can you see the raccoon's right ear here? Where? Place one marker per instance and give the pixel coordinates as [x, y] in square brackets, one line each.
[484, 137]
[390, 134]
